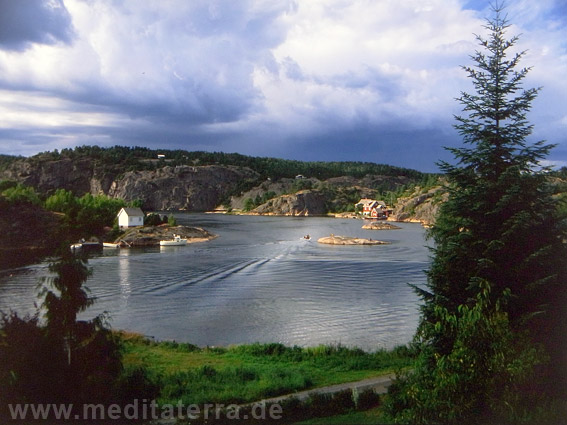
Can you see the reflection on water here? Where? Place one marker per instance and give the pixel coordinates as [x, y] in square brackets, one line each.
[259, 281]
[124, 275]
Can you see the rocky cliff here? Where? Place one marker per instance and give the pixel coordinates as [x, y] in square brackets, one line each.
[80, 176]
[191, 188]
[302, 203]
[182, 187]
[338, 192]
[420, 206]
[163, 185]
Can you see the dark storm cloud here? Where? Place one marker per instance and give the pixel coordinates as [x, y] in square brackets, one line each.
[418, 149]
[23, 22]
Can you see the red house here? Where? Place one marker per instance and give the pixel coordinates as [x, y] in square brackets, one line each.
[373, 209]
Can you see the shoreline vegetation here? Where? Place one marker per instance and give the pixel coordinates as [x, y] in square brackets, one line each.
[248, 373]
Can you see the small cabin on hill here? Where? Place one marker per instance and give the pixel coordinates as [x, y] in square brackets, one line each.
[130, 217]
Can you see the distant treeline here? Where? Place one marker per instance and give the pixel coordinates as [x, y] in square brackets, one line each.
[140, 158]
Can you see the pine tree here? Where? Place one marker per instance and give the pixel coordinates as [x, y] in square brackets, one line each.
[494, 304]
[91, 352]
[501, 224]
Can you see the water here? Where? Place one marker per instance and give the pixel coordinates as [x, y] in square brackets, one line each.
[258, 282]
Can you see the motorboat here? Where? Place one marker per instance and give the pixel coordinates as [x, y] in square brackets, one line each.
[176, 241]
[88, 246]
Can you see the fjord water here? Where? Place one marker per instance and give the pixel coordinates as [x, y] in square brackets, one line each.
[259, 281]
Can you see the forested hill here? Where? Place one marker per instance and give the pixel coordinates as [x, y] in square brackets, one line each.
[140, 159]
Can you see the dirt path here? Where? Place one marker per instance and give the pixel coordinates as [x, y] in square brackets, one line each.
[379, 384]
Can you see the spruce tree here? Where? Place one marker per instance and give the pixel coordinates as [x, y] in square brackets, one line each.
[493, 309]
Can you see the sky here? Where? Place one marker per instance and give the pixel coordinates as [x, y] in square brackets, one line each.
[317, 80]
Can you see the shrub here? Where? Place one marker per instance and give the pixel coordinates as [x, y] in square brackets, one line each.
[321, 404]
[153, 219]
[367, 399]
[21, 193]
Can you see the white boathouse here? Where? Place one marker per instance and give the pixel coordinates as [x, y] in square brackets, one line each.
[130, 217]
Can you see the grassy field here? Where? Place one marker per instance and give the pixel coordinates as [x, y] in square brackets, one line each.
[246, 373]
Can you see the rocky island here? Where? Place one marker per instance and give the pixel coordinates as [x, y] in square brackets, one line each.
[151, 235]
[380, 225]
[347, 240]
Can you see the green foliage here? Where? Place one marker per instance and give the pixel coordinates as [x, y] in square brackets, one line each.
[67, 360]
[341, 198]
[208, 383]
[301, 184]
[64, 295]
[7, 184]
[321, 405]
[62, 201]
[153, 219]
[134, 383]
[6, 160]
[87, 215]
[98, 211]
[490, 371]
[139, 158]
[367, 399]
[248, 204]
[19, 193]
[252, 372]
[25, 353]
[494, 302]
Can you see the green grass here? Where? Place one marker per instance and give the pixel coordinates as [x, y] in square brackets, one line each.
[247, 373]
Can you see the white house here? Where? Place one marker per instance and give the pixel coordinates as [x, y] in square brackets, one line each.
[130, 217]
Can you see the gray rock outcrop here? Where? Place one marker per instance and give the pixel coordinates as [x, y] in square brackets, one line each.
[47, 176]
[302, 203]
[190, 188]
[348, 240]
[420, 206]
[380, 225]
[181, 188]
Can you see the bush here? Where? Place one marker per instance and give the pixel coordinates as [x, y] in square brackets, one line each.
[21, 193]
[32, 367]
[135, 383]
[153, 219]
[321, 404]
[367, 399]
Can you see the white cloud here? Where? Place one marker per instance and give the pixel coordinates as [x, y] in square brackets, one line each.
[264, 73]
[369, 60]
